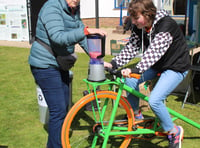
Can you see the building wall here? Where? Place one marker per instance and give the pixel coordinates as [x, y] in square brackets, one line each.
[106, 9]
[13, 16]
[108, 22]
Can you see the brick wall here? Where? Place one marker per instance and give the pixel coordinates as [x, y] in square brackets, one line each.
[103, 22]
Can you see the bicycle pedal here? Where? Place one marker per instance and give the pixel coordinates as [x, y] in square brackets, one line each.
[88, 108]
[85, 92]
[134, 127]
[145, 119]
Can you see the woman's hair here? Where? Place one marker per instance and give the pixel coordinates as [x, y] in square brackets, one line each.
[145, 7]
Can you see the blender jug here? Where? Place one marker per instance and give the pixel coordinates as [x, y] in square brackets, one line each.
[96, 49]
[96, 46]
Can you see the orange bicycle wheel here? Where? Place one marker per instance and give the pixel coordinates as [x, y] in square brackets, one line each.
[81, 124]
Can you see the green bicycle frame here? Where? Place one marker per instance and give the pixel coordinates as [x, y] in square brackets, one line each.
[107, 131]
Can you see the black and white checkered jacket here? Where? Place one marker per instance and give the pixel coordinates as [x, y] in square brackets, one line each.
[165, 47]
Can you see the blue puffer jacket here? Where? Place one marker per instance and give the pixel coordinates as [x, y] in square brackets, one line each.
[60, 28]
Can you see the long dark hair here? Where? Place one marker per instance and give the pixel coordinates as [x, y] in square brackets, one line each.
[145, 7]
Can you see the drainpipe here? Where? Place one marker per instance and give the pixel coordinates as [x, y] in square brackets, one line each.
[97, 12]
[120, 21]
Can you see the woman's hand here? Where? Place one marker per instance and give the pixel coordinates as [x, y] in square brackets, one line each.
[106, 64]
[126, 72]
[96, 31]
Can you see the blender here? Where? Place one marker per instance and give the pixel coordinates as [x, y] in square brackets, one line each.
[96, 50]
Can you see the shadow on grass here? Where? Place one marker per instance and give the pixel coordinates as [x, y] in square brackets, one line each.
[114, 141]
[180, 97]
[45, 126]
[192, 137]
[145, 143]
[2, 146]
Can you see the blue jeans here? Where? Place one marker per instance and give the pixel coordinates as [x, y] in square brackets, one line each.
[55, 87]
[166, 83]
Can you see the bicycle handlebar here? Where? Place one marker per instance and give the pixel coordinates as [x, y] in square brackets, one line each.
[135, 75]
[118, 73]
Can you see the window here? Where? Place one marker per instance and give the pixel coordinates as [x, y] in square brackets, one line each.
[123, 2]
[175, 7]
[179, 7]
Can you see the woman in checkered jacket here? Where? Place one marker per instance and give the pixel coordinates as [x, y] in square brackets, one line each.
[164, 51]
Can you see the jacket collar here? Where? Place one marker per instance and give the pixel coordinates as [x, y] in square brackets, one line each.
[66, 7]
[159, 15]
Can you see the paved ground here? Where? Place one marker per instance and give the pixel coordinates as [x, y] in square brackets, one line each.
[110, 36]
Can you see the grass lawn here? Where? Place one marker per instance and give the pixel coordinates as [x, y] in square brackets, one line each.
[19, 117]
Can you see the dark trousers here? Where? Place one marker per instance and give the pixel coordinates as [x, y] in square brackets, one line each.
[55, 87]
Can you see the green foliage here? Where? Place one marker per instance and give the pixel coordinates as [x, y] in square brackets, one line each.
[19, 116]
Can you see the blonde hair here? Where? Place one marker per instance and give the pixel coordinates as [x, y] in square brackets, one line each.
[145, 7]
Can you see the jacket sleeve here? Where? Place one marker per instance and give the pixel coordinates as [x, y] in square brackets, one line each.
[60, 32]
[129, 51]
[157, 48]
[83, 45]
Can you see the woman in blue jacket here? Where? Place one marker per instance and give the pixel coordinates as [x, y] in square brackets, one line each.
[59, 28]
